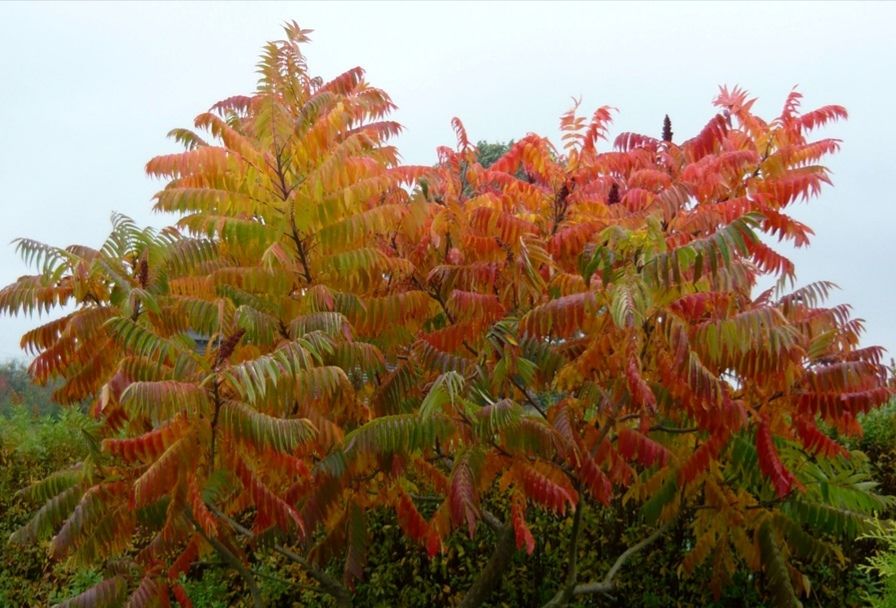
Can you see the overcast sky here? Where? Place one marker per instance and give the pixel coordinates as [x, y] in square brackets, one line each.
[88, 91]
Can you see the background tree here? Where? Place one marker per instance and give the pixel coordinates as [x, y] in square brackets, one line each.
[488, 153]
[557, 330]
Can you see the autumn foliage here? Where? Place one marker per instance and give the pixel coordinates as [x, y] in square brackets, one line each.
[325, 331]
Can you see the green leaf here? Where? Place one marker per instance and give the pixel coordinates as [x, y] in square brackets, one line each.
[399, 434]
[445, 390]
[50, 515]
[281, 434]
[776, 569]
[653, 507]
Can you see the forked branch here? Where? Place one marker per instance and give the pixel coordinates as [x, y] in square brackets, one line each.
[328, 584]
[608, 582]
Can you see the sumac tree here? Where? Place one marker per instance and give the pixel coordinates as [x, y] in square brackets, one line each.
[326, 331]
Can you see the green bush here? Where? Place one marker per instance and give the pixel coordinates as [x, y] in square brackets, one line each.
[882, 565]
[33, 445]
[879, 443]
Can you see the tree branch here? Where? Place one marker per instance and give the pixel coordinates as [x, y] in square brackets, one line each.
[672, 429]
[529, 398]
[284, 194]
[228, 556]
[608, 583]
[214, 423]
[492, 521]
[491, 574]
[565, 593]
[300, 248]
[328, 584]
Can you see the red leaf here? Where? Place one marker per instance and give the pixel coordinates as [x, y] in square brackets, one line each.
[821, 116]
[433, 542]
[200, 510]
[270, 506]
[149, 446]
[547, 488]
[635, 446]
[640, 390]
[596, 481]
[770, 464]
[561, 317]
[618, 470]
[705, 142]
[702, 457]
[147, 592]
[521, 531]
[410, 520]
[184, 560]
[462, 498]
[181, 595]
[816, 441]
[109, 592]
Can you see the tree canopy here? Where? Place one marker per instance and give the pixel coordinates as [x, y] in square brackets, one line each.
[562, 326]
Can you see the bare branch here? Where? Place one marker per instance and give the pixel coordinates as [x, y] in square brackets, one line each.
[607, 583]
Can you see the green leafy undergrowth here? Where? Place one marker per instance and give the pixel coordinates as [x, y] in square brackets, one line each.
[33, 445]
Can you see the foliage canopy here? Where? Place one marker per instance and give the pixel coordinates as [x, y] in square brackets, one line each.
[326, 331]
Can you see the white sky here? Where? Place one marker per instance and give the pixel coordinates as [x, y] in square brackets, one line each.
[88, 91]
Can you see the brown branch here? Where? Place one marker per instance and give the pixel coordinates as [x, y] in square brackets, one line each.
[228, 556]
[136, 314]
[300, 248]
[284, 194]
[529, 398]
[328, 584]
[214, 423]
[672, 429]
[435, 295]
[91, 297]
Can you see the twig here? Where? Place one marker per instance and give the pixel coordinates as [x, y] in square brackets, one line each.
[672, 429]
[529, 397]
